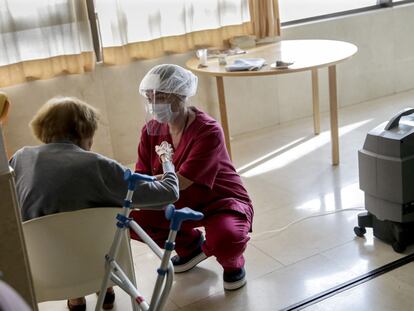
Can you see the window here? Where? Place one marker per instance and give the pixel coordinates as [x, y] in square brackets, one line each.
[291, 10]
[42, 29]
[127, 21]
[132, 29]
[42, 39]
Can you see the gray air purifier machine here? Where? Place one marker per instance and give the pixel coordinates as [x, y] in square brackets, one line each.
[386, 175]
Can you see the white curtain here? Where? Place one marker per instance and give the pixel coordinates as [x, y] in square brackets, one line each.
[129, 21]
[42, 39]
[32, 30]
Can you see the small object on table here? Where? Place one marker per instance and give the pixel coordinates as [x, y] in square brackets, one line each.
[281, 64]
[246, 64]
[222, 60]
[202, 55]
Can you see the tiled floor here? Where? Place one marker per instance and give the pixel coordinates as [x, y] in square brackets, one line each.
[289, 176]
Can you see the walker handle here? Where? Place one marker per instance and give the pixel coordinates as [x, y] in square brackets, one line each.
[178, 216]
[395, 120]
[133, 177]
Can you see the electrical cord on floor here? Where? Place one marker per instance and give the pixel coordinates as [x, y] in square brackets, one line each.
[274, 232]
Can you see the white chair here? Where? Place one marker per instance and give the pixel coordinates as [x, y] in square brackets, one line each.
[67, 252]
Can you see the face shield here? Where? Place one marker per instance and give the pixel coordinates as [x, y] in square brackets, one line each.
[164, 85]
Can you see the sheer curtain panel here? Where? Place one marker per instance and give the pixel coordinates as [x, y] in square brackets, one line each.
[140, 29]
[42, 39]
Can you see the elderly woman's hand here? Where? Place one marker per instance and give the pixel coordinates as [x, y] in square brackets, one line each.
[164, 151]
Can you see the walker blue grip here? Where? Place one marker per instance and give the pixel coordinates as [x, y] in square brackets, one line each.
[177, 217]
[133, 177]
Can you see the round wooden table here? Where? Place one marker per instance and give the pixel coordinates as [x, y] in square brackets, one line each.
[307, 55]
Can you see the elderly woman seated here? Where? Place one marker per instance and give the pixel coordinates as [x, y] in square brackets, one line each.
[63, 174]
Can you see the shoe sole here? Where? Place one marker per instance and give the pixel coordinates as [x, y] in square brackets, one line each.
[191, 264]
[234, 285]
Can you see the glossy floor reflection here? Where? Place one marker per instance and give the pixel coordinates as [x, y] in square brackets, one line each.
[294, 253]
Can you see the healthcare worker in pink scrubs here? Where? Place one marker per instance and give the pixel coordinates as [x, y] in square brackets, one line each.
[208, 180]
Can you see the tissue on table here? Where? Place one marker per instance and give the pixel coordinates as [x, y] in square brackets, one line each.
[246, 64]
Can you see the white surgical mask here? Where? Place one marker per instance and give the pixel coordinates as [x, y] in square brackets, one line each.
[161, 112]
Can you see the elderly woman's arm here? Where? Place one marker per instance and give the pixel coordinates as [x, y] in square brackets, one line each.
[167, 185]
[157, 194]
[183, 181]
[154, 194]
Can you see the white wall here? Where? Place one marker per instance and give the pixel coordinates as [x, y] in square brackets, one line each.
[385, 61]
[384, 65]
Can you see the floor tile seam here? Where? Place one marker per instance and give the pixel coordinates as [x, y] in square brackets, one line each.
[373, 101]
[286, 192]
[170, 300]
[295, 123]
[201, 299]
[308, 257]
[287, 207]
[294, 202]
[338, 263]
[293, 192]
[328, 146]
[336, 246]
[267, 255]
[298, 123]
[323, 115]
[290, 264]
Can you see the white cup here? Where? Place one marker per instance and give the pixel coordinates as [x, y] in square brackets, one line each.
[202, 56]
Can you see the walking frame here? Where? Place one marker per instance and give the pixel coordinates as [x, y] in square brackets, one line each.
[165, 272]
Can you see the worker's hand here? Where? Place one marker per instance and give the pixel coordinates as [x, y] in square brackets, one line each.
[164, 151]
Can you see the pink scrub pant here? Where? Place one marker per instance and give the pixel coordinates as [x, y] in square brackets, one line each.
[226, 235]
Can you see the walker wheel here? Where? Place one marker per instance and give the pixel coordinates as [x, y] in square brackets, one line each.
[359, 231]
[398, 247]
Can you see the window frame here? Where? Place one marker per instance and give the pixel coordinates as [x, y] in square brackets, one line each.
[381, 4]
[94, 24]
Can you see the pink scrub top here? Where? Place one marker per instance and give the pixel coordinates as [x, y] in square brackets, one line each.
[201, 157]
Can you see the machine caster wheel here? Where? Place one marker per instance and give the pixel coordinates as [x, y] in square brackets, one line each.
[360, 231]
[398, 247]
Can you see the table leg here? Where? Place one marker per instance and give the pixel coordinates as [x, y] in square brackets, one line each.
[333, 106]
[223, 112]
[315, 101]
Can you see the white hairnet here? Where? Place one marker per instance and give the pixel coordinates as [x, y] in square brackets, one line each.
[169, 78]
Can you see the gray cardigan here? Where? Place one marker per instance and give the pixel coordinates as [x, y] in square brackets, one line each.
[61, 177]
